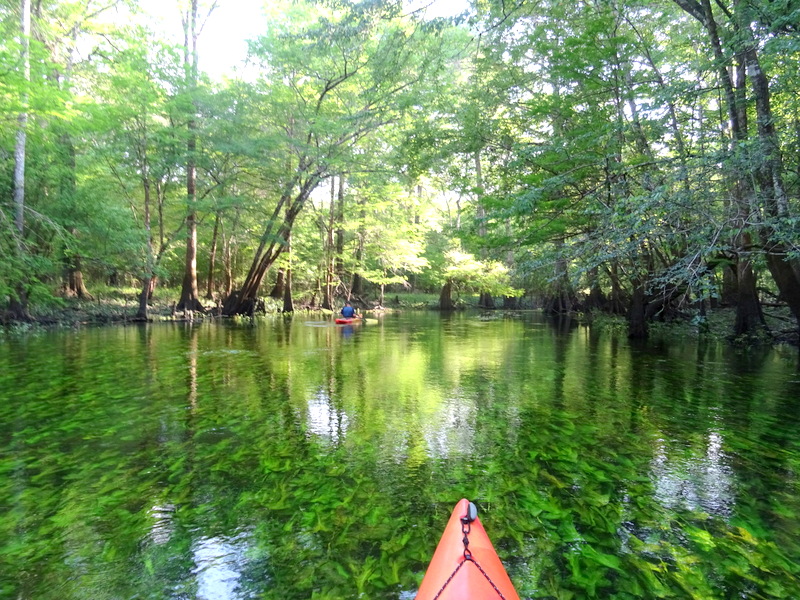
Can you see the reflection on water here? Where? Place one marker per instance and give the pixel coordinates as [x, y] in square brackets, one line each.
[450, 432]
[324, 419]
[685, 480]
[217, 561]
[161, 529]
[289, 459]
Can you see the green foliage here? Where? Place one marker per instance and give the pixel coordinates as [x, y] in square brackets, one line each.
[470, 274]
[571, 144]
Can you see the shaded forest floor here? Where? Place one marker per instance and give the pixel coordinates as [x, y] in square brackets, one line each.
[119, 306]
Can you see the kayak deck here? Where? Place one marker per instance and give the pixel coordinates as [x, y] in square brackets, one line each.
[471, 571]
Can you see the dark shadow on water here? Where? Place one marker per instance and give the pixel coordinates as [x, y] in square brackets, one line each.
[561, 323]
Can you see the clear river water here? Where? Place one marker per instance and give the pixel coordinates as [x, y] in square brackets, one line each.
[297, 459]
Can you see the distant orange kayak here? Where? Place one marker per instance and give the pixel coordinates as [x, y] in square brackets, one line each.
[343, 321]
[470, 571]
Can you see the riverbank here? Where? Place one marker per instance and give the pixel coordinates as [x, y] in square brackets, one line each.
[119, 306]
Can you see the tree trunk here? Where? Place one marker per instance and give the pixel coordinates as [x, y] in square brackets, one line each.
[288, 304]
[596, 299]
[270, 248]
[212, 260]
[190, 297]
[637, 313]
[729, 291]
[784, 270]
[445, 298]
[22, 121]
[616, 303]
[150, 277]
[18, 305]
[74, 286]
[227, 254]
[637, 323]
[228, 275]
[340, 231]
[486, 301]
[749, 316]
[357, 287]
[786, 273]
[280, 284]
[73, 277]
[563, 300]
[749, 319]
[509, 302]
[329, 252]
[148, 285]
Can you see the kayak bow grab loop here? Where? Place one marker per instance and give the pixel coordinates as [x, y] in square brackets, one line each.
[466, 522]
[466, 584]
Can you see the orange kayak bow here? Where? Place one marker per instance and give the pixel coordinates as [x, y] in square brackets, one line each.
[465, 565]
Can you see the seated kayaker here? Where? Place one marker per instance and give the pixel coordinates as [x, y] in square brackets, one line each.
[348, 312]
